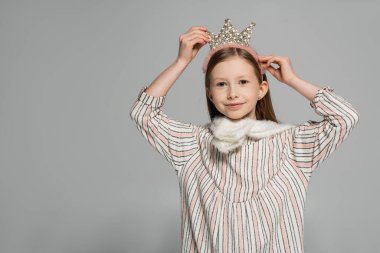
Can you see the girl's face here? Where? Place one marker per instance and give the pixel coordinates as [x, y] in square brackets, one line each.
[234, 88]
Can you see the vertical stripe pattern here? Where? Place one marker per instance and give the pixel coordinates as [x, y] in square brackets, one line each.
[252, 199]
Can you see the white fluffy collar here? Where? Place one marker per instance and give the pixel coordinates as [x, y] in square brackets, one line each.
[229, 134]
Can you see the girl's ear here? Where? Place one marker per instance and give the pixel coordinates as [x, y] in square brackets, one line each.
[208, 93]
[263, 89]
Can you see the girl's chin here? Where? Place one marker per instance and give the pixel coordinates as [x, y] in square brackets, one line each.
[235, 116]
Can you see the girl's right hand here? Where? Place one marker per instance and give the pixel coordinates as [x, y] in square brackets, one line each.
[190, 43]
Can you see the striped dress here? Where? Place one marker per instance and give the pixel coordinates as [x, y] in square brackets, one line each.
[251, 199]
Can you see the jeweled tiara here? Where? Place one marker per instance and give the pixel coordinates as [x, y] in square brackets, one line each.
[228, 34]
[230, 37]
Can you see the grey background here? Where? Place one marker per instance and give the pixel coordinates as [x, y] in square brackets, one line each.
[75, 174]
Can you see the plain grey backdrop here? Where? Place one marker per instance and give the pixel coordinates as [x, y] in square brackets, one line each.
[77, 176]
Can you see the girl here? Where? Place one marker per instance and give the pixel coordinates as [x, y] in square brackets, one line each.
[243, 177]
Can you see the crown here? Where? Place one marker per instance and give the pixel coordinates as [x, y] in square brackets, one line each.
[228, 34]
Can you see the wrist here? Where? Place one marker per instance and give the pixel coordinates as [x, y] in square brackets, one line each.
[181, 62]
[294, 81]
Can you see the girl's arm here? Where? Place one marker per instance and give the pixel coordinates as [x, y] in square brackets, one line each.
[174, 140]
[286, 74]
[306, 89]
[164, 81]
[190, 43]
[312, 142]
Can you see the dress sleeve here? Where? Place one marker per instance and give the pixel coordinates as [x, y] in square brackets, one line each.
[313, 141]
[174, 140]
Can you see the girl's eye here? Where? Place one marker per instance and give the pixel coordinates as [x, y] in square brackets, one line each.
[220, 84]
[243, 81]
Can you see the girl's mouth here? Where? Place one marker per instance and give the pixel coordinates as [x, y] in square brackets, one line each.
[234, 106]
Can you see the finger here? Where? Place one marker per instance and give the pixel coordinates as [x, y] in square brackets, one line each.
[193, 36]
[198, 41]
[198, 45]
[268, 62]
[272, 70]
[188, 41]
[279, 58]
[197, 32]
[265, 57]
[275, 60]
[202, 28]
[199, 27]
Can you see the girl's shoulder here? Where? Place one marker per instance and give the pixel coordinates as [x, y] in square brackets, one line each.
[203, 130]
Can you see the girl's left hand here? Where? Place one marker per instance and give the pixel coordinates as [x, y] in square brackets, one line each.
[284, 73]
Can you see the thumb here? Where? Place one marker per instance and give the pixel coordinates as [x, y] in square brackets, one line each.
[271, 70]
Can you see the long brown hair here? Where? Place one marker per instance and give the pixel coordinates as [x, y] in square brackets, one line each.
[264, 108]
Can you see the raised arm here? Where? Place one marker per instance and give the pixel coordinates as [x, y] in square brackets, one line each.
[190, 43]
[312, 142]
[174, 140]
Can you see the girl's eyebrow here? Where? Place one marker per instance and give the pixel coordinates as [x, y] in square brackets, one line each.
[223, 78]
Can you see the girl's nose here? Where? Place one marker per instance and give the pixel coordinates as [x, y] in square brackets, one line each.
[231, 92]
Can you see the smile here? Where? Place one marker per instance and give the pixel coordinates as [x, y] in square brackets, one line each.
[234, 106]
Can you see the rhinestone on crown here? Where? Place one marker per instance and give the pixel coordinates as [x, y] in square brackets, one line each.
[228, 34]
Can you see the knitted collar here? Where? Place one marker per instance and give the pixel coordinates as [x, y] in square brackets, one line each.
[229, 134]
